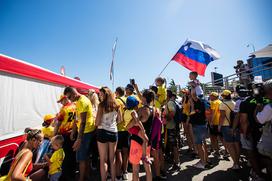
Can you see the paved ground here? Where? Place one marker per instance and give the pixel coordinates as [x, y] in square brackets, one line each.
[220, 170]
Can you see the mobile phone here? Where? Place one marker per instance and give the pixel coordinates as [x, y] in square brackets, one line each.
[132, 81]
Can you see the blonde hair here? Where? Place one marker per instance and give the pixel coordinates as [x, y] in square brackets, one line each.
[92, 95]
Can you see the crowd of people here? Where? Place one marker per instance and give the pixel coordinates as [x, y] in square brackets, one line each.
[121, 130]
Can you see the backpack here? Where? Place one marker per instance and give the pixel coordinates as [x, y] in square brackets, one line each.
[178, 117]
[232, 115]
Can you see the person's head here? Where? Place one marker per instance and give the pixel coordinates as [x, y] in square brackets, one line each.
[154, 89]
[268, 89]
[63, 100]
[193, 75]
[57, 142]
[170, 95]
[129, 90]
[48, 119]
[131, 103]
[148, 96]
[92, 95]
[71, 93]
[226, 94]
[214, 96]
[119, 92]
[33, 137]
[107, 100]
[185, 92]
[159, 81]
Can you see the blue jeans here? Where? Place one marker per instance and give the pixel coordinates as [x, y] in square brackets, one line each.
[84, 151]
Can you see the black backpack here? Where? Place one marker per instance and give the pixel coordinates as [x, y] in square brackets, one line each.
[232, 115]
[178, 117]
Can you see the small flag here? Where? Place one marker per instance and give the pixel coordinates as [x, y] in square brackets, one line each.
[112, 62]
[196, 56]
[62, 70]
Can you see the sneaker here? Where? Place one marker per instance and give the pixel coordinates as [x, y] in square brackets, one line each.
[125, 176]
[119, 178]
[175, 167]
[199, 165]
[163, 175]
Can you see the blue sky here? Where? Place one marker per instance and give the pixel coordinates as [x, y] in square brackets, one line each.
[80, 35]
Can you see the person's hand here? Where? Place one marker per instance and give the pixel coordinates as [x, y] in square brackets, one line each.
[46, 158]
[77, 145]
[135, 86]
[231, 131]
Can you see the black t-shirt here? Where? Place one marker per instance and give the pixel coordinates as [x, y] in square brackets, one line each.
[199, 118]
[248, 107]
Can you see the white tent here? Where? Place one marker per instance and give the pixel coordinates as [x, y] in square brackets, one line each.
[265, 52]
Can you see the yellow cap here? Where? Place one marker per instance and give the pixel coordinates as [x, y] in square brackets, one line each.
[49, 117]
[226, 93]
[215, 94]
[61, 97]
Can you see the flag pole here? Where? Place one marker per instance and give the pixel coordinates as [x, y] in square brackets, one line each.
[164, 68]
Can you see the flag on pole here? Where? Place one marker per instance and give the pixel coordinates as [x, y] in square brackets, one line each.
[195, 56]
[62, 70]
[112, 61]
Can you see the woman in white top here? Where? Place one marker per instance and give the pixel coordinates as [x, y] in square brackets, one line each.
[108, 115]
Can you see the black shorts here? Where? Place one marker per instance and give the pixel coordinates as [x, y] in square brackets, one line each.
[213, 130]
[105, 136]
[156, 143]
[172, 137]
[123, 139]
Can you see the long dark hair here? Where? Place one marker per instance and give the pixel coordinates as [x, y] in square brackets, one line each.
[109, 103]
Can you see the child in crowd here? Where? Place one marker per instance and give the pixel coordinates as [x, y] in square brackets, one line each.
[135, 126]
[48, 132]
[55, 162]
[47, 129]
[195, 87]
[160, 83]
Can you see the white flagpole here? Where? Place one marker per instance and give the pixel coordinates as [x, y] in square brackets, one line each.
[112, 63]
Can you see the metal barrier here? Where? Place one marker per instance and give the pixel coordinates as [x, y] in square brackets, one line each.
[232, 80]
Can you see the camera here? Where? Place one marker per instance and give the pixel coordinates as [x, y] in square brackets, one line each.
[258, 92]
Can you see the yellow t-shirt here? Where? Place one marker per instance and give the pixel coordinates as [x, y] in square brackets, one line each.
[162, 94]
[83, 104]
[122, 126]
[48, 132]
[56, 161]
[67, 117]
[224, 107]
[157, 104]
[127, 117]
[186, 108]
[215, 108]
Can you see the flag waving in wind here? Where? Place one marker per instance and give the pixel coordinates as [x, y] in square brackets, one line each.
[195, 56]
[112, 62]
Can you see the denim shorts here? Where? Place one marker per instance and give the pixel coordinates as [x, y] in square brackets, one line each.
[200, 133]
[84, 151]
[104, 136]
[228, 137]
[55, 176]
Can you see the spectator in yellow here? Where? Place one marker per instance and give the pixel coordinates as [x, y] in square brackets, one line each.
[47, 129]
[85, 127]
[214, 122]
[160, 83]
[55, 162]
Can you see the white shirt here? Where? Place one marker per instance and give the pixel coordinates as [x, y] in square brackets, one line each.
[109, 122]
[265, 115]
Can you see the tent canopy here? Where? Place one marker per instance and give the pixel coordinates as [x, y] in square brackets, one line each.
[265, 52]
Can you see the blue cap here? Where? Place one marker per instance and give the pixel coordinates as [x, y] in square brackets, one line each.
[131, 102]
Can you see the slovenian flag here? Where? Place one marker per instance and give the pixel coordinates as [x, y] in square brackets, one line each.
[196, 56]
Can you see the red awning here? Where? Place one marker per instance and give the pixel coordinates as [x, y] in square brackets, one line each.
[18, 67]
